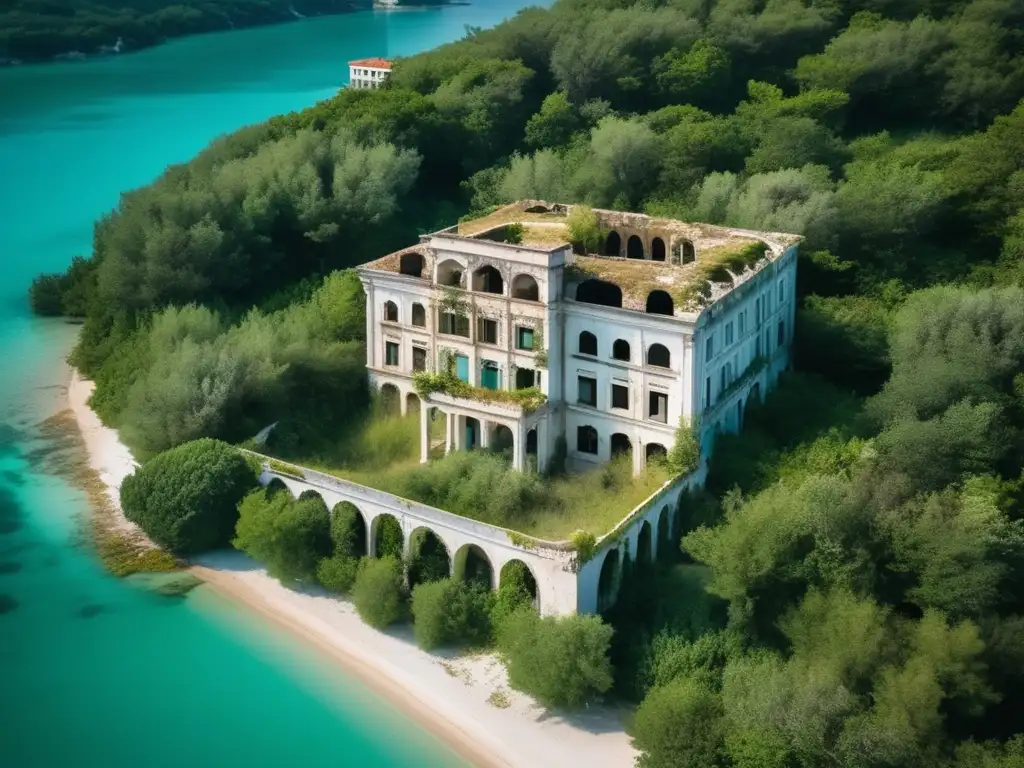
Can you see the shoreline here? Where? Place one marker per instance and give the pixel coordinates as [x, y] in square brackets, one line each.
[463, 701]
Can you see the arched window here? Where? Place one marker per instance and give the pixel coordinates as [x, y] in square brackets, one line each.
[620, 350]
[621, 445]
[596, 291]
[613, 245]
[411, 264]
[657, 249]
[659, 303]
[449, 272]
[688, 253]
[488, 279]
[525, 287]
[390, 312]
[586, 439]
[658, 355]
[588, 343]
[635, 248]
[419, 316]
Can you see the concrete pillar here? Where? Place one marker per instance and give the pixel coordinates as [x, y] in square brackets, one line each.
[424, 433]
[519, 448]
[638, 455]
[403, 403]
[542, 445]
[458, 432]
[485, 434]
[448, 433]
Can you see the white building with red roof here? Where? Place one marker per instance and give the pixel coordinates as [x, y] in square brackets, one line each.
[368, 73]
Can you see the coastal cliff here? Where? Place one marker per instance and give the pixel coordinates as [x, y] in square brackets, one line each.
[50, 30]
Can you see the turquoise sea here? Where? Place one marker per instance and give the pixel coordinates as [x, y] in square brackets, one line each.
[95, 671]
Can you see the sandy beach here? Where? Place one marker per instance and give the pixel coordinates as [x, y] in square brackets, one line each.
[464, 700]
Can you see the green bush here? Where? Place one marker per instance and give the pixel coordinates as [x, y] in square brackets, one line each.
[338, 573]
[345, 530]
[186, 499]
[559, 661]
[451, 612]
[378, 592]
[679, 725]
[289, 536]
[513, 594]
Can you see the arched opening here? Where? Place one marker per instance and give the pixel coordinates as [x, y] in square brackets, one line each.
[654, 452]
[664, 541]
[657, 249]
[525, 287]
[428, 557]
[390, 398]
[659, 303]
[472, 434]
[608, 581]
[594, 291]
[473, 566]
[412, 403]
[275, 486]
[387, 537]
[621, 445]
[309, 493]
[502, 440]
[390, 312]
[588, 343]
[613, 244]
[437, 429]
[688, 252]
[658, 355]
[348, 530]
[419, 316]
[620, 350]
[449, 272]
[488, 280]
[517, 586]
[411, 264]
[531, 442]
[586, 439]
[635, 248]
[643, 544]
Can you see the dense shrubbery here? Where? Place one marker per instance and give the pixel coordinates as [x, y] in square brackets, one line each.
[378, 592]
[558, 661]
[33, 30]
[290, 536]
[186, 499]
[450, 612]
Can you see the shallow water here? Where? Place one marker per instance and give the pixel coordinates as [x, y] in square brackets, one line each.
[95, 671]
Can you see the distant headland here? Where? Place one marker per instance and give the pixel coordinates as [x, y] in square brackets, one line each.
[34, 31]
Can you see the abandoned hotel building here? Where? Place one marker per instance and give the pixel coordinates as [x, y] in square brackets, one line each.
[609, 347]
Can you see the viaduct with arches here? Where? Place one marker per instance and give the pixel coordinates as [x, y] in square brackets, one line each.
[561, 583]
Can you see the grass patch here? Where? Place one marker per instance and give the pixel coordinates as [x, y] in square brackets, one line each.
[499, 698]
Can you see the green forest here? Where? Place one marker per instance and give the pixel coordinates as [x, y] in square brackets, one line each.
[847, 588]
[39, 30]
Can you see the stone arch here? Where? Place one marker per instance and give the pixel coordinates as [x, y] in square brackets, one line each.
[488, 279]
[387, 536]
[390, 312]
[412, 403]
[594, 291]
[419, 315]
[310, 493]
[275, 486]
[587, 343]
[586, 439]
[449, 272]
[664, 539]
[525, 287]
[390, 398]
[411, 264]
[657, 249]
[608, 581]
[429, 558]
[613, 244]
[635, 248]
[687, 252]
[621, 445]
[658, 355]
[660, 303]
[502, 439]
[620, 350]
[517, 582]
[643, 544]
[348, 530]
[473, 566]
[654, 451]
[531, 441]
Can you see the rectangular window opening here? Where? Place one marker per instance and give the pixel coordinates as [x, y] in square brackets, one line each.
[419, 359]
[390, 353]
[524, 338]
[587, 391]
[657, 409]
[486, 331]
[620, 396]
